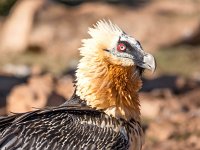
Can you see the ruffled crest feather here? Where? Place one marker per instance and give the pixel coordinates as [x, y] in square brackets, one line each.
[105, 28]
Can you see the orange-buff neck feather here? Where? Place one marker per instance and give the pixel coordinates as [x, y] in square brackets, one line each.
[105, 86]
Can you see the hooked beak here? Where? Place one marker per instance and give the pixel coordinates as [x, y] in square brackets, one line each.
[148, 62]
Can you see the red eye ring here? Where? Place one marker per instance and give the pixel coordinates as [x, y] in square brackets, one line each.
[121, 47]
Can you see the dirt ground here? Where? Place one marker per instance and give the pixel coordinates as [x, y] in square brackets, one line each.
[39, 55]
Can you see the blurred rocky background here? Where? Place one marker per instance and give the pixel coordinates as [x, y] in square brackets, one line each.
[39, 41]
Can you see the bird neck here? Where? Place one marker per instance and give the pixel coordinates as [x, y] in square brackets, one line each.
[111, 88]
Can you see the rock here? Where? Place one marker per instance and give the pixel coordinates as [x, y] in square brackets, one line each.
[63, 35]
[193, 38]
[17, 70]
[36, 70]
[56, 32]
[42, 83]
[7, 84]
[16, 29]
[27, 97]
[161, 82]
[150, 107]
[194, 141]
[160, 131]
[167, 85]
[178, 118]
[65, 86]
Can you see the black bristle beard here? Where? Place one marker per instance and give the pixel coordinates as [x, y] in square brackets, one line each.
[139, 70]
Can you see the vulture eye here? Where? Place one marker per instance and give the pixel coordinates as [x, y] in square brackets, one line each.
[121, 47]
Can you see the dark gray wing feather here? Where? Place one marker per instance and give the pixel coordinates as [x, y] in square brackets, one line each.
[62, 128]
